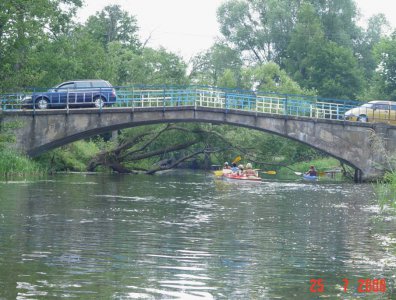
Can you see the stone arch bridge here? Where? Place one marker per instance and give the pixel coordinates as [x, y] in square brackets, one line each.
[363, 146]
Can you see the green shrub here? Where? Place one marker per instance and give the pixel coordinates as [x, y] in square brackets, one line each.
[72, 157]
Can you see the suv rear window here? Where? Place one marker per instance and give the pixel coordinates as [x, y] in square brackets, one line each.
[100, 84]
[83, 84]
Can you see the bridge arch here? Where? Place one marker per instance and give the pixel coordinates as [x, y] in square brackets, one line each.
[346, 141]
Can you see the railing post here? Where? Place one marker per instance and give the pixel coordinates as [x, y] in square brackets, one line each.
[34, 102]
[226, 102]
[195, 99]
[133, 99]
[67, 101]
[389, 112]
[163, 99]
[255, 103]
[316, 107]
[101, 103]
[286, 104]
[163, 95]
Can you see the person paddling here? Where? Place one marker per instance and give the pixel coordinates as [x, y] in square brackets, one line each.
[249, 170]
[240, 170]
[234, 168]
[226, 166]
[311, 171]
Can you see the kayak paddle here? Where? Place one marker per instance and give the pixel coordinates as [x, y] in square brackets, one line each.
[266, 172]
[238, 158]
[269, 172]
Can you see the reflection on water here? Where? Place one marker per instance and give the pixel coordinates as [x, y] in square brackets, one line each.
[189, 236]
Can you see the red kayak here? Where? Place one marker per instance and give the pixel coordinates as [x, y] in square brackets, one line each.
[241, 177]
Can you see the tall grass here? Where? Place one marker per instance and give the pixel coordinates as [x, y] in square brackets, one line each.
[386, 190]
[386, 187]
[13, 164]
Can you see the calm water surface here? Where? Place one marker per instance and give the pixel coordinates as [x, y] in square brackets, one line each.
[189, 236]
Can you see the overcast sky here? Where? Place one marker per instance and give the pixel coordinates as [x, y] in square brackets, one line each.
[187, 27]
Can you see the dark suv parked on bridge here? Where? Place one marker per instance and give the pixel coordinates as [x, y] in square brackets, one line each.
[77, 93]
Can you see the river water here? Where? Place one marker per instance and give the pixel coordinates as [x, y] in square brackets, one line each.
[186, 235]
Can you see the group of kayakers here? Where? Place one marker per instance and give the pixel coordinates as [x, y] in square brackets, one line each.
[240, 170]
[248, 170]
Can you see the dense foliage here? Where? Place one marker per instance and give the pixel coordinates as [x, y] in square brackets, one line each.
[289, 46]
[318, 43]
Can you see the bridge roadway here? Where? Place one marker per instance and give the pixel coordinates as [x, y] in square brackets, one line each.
[364, 146]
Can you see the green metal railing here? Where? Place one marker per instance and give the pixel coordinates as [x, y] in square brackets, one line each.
[270, 103]
[199, 96]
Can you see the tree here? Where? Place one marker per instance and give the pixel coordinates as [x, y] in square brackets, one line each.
[306, 37]
[338, 18]
[320, 64]
[257, 27]
[71, 56]
[113, 24]
[334, 72]
[263, 29]
[385, 53]
[208, 67]
[155, 148]
[22, 25]
[148, 67]
[228, 79]
[163, 67]
[270, 77]
[376, 28]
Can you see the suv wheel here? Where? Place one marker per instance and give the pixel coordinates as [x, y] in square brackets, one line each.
[42, 103]
[99, 102]
[363, 119]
